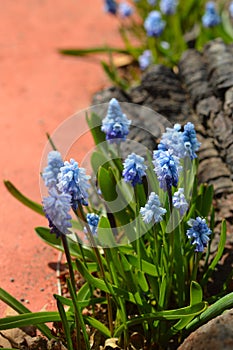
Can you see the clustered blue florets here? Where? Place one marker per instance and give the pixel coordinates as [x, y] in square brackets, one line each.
[190, 140]
[154, 24]
[152, 210]
[115, 125]
[198, 233]
[110, 6]
[50, 173]
[168, 7]
[167, 169]
[179, 201]
[125, 10]
[73, 180]
[145, 59]
[210, 17]
[134, 169]
[93, 221]
[57, 207]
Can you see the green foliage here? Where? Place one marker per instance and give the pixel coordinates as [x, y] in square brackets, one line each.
[183, 29]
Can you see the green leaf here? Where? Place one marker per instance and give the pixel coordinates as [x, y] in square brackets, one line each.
[94, 122]
[106, 182]
[165, 315]
[218, 255]
[32, 318]
[23, 199]
[92, 50]
[105, 234]
[65, 323]
[21, 309]
[98, 325]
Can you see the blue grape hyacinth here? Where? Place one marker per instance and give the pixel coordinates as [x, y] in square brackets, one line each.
[154, 25]
[56, 207]
[231, 9]
[167, 169]
[145, 59]
[93, 220]
[52, 170]
[115, 125]
[73, 180]
[179, 201]
[191, 143]
[198, 233]
[210, 17]
[134, 169]
[173, 141]
[152, 210]
[168, 7]
[110, 6]
[125, 10]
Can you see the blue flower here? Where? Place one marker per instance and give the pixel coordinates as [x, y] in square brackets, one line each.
[52, 170]
[167, 169]
[179, 201]
[115, 125]
[93, 220]
[191, 143]
[73, 180]
[134, 169]
[198, 233]
[173, 140]
[145, 59]
[152, 210]
[231, 9]
[154, 24]
[151, 2]
[210, 17]
[125, 10]
[168, 7]
[56, 207]
[110, 6]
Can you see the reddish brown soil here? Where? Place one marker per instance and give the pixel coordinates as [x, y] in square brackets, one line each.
[39, 90]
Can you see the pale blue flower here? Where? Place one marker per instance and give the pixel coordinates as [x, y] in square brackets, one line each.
[134, 169]
[179, 201]
[152, 2]
[115, 125]
[167, 169]
[152, 210]
[154, 24]
[73, 180]
[145, 59]
[231, 9]
[168, 7]
[210, 17]
[173, 141]
[198, 233]
[52, 170]
[125, 10]
[191, 143]
[56, 207]
[110, 6]
[93, 221]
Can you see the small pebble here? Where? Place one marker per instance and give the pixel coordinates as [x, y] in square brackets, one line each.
[41, 289]
[22, 300]
[12, 280]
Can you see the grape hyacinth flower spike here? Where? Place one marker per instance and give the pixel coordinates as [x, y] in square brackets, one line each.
[110, 6]
[167, 169]
[168, 7]
[145, 59]
[152, 210]
[198, 233]
[56, 207]
[191, 143]
[154, 25]
[73, 180]
[93, 220]
[134, 169]
[173, 141]
[50, 173]
[179, 201]
[125, 10]
[115, 125]
[210, 17]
